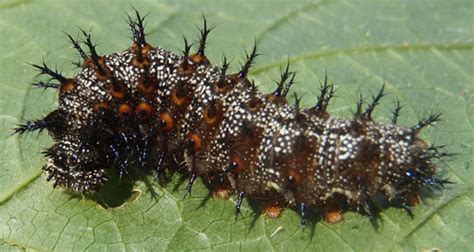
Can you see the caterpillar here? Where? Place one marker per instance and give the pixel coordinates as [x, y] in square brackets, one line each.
[150, 109]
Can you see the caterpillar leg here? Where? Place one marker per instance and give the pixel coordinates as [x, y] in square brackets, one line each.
[222, 193]
[273, 211]
[189, 186]
[333, 215]
[302, 210]
[240, 198]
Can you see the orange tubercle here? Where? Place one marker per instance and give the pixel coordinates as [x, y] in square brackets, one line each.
[117, 89]
[67, 87]
[101, 106]
[125, 110]
[177, 98]
[144, 110]
[166, 121]
[294, 177]
[237, 165]
[199, 59]
[195, 141]
[146, 84]
[211, 114]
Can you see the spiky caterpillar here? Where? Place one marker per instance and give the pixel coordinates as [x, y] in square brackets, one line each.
[150, 108]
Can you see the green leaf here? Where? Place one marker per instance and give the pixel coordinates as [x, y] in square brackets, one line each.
[422, 50]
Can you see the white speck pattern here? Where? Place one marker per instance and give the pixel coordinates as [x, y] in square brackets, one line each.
[250, 142]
